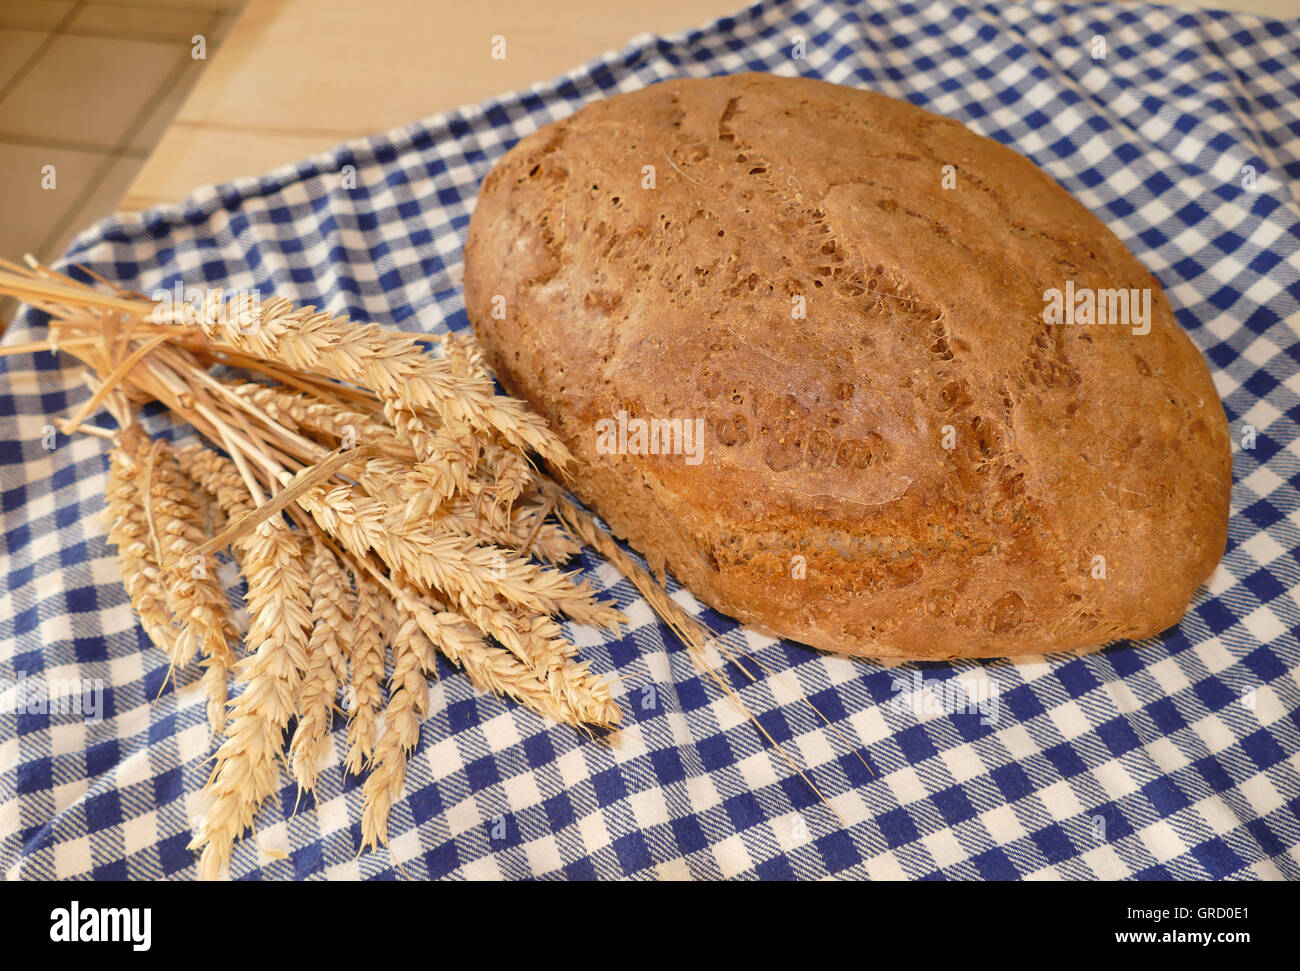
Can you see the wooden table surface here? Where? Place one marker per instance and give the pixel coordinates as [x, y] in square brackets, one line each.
[295, 77]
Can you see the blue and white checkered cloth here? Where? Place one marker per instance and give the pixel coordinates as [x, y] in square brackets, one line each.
[1174, 757]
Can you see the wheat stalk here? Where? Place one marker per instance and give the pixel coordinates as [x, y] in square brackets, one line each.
[437, 520]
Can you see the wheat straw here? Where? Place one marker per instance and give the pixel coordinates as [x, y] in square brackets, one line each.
[379, 502]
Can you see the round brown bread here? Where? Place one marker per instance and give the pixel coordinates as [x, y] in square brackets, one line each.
[918, 466]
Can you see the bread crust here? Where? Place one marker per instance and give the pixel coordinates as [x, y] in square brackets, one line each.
[826, 508]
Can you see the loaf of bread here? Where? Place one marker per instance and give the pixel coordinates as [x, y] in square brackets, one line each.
[855, 375]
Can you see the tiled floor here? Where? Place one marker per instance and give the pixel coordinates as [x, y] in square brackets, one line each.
[87, 88]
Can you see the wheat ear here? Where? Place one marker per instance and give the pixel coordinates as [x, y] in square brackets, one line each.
[327, 419]
[408, 701]
[216, 685]
[193, 594]
[524, 528]
[443, 560]
[218, 476]
[366, 655]
[331, 629]
[510, 471]
[247, 763]
[494, 669]
[464, 353]
[393, 366]
[528, 531]
[129, 532]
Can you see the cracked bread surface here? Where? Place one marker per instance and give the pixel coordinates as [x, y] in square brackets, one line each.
[826, 508]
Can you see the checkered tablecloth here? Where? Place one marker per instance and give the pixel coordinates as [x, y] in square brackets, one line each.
[1174, 757]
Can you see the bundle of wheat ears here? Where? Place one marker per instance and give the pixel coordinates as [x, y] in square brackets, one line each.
[381, 505]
